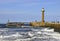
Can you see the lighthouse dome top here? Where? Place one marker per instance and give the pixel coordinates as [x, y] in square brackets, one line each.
[43, 9]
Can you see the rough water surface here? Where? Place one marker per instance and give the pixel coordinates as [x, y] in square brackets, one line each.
[28, 34]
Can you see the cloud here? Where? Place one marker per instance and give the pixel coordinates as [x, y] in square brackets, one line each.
[23, 2]
[15, 1]
[18, 2]
[13, 6]
[12, 12]
[9, 11]
[30, 2]
[8, 1]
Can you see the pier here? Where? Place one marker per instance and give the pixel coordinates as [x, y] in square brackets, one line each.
[55, 25]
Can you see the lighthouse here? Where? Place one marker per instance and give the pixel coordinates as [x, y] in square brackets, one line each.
[42, 21]
[43, 14]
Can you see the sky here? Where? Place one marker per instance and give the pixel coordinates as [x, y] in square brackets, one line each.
[29, 10]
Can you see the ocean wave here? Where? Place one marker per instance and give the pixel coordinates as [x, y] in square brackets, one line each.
[44, 34]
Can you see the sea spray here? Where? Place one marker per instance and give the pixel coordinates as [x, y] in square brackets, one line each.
[32, 34]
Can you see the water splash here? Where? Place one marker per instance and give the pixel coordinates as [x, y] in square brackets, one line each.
[32, 34]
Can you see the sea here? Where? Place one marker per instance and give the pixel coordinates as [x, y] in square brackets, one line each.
[29, 34]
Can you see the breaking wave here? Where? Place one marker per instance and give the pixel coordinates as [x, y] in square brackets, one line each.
[28, 34]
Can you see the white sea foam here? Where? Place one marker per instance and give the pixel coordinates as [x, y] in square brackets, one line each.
[45, 34]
